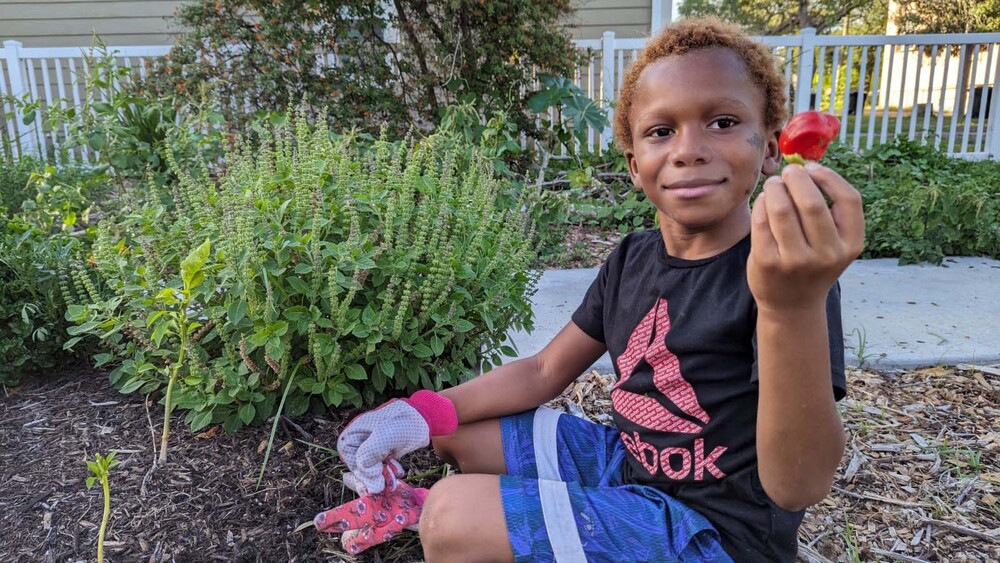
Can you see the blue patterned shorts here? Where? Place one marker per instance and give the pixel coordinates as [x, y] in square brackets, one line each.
[564, 498]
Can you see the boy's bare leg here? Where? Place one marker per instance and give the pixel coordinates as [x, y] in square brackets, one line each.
[463, 520]
[474, 448]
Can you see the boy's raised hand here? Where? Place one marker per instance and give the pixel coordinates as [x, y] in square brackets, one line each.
[799, 245]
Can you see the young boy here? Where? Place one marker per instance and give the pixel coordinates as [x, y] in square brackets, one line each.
[724, 327]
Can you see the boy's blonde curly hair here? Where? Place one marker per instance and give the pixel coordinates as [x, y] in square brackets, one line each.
[691, 34]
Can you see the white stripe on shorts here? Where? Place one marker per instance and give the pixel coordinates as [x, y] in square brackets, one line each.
[560, 523]
[543, 434]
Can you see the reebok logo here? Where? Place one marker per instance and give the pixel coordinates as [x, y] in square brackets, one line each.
[648, 342]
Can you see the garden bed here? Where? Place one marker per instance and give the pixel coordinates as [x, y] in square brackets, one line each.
[919, 479]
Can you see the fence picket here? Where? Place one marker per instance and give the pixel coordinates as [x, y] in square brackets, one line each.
[958, 99]
[876, 82]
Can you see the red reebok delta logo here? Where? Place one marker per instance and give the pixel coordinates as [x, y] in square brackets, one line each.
[648, 341]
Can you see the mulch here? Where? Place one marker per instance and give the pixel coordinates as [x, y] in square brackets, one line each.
[204, 505]
[919, 480]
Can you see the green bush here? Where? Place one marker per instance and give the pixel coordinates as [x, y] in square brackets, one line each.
[32, 327]
[361, 270]
[16, 186]
[920, 204]
[264, 54]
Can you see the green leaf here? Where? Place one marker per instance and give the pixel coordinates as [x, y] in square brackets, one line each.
[76, 313]
[132, 385]
[299, 286]
[97, 141]
[193, 264]
[462, 325]
[356, 372]
[237, 310]
[90, 482]
[29, 117]
[201, 420]
[247, 412]
[159, 332]
[437, 345]
[422, 351]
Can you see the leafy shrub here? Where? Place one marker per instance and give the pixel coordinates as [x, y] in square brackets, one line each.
[361, 271]
[32, 328]
[15, 181]
[920, 204]
[265, 55]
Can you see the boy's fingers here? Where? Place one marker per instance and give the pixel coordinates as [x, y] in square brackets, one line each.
[782, 217]
[356, 541]
[352, 515]
[847, 211]
[817, 222]
[761, 239]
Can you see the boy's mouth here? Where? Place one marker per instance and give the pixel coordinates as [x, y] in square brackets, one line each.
[694, 188]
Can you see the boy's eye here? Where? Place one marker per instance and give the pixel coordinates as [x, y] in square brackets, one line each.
[661, 132]
[723, 123]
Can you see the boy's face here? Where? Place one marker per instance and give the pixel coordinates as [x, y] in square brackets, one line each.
[699, 141]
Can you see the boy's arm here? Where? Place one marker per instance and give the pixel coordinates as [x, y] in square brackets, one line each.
[529, 382]
[799, 248]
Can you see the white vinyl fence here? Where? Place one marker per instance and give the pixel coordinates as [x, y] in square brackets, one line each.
[932, 88]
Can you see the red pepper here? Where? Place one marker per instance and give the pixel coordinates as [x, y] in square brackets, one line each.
[807, 135]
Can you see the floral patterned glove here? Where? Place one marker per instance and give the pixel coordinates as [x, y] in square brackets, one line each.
[374, 518]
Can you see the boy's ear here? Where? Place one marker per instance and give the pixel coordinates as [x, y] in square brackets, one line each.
[633, 168]
[772, 155]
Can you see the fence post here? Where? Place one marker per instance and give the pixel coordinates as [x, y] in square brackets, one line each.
[993, 117]
[803, 86]
[608, 83]
[18, 88]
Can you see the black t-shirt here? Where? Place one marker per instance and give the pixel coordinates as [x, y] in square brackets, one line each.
[681, 334]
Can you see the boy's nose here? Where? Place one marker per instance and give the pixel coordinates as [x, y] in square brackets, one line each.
[690, 148]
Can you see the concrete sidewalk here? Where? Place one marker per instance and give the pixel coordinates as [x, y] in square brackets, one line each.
[894, 316]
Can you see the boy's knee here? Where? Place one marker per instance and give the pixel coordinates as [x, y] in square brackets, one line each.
[438, 519]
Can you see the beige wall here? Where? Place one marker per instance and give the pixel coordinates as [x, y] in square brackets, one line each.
[71, 23]
[627, 18]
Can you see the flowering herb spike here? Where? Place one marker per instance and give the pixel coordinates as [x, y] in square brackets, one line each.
[807, 135]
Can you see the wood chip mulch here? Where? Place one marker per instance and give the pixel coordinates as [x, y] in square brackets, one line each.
[919, 480]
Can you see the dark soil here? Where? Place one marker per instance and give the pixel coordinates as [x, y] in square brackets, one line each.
[204, 505]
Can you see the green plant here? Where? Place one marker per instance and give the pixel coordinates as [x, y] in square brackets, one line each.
[921, 205]
[850, 542]
[339, 56]
[15, 182]
[100, 470]
[32, 278]
[572, 113]
[860, 351]
[376, 268]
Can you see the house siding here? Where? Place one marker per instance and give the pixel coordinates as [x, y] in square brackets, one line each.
[72, 23]
[627, 18]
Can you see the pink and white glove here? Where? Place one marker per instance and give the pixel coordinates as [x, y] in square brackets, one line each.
[393, 430]
[393, 471]
[374, 519]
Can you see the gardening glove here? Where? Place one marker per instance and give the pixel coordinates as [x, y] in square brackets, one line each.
[393, 470]
[393, 430]
[374, 519]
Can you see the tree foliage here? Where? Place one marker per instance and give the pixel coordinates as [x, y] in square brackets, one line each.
[948, 16]
[338, 55]
[780, 17]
